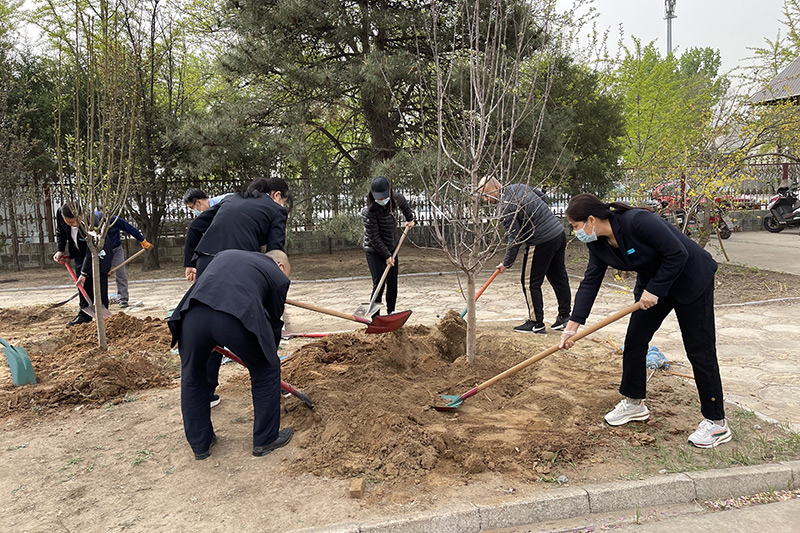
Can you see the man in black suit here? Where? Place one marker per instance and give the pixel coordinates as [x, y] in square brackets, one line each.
[71, 243]
[238, 303]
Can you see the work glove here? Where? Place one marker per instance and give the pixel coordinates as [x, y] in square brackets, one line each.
[566, 342]
[146, 245]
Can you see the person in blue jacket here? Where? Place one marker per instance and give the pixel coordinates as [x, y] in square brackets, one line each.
[118, 254]
[673, 274]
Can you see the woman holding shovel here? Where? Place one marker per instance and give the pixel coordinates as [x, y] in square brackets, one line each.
[674, 273]
[380, 229]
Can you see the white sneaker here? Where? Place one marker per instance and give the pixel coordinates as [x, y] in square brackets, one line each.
[710, 434]
[626, 411]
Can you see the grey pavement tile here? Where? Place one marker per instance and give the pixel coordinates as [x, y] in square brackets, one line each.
[561, 503]
[662, 490]
[742, 481]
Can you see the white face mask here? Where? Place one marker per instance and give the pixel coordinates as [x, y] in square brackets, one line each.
[382, 202]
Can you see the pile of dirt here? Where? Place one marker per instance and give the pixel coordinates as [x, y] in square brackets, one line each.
[374, 396]
[71, 369]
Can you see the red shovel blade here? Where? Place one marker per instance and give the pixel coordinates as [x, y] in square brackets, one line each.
[388, 323]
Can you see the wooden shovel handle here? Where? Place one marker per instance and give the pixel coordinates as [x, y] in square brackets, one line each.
[128, 260]
[331, 312]
[581, 334]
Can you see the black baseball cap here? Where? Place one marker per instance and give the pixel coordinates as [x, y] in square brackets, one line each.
[380, 188]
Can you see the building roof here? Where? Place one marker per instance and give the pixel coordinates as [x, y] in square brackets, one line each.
[784, 86]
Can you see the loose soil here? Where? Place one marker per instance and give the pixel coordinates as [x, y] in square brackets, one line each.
[97, 443]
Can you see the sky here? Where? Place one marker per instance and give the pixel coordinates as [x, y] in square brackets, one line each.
[730, 26]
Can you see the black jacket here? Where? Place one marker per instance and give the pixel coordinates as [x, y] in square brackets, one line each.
[236, 223]
[380, 225]
[668, 263]
[80, 253]
[246, 285]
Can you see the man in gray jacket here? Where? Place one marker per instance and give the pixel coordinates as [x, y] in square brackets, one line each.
[528, 220]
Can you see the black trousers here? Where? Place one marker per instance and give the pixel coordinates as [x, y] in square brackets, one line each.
[202, 329]
[215, 359]
[88, 284]
[696, 321]
[377, 265]
[546, 260]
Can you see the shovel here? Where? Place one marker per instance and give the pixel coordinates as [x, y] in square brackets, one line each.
[456, 401]
[285, 386]
[19, 362]
[480, 291]
[286, 335]
[371, 308]
[128, 260]
[90, 309]
[379, 324]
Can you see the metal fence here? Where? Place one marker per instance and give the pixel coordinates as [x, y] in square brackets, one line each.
[31, 208]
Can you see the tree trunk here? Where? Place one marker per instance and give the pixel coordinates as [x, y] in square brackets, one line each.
[375, 105]
[12, 224]
[39, 225]
[472, 322]
[98, 300]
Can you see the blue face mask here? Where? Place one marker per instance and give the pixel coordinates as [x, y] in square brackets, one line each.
[195, 212]
[382, 202]
[585, 237]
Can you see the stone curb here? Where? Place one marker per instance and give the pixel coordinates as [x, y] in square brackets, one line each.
[570, 502]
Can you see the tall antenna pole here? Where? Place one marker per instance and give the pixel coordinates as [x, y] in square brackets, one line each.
[669, 8]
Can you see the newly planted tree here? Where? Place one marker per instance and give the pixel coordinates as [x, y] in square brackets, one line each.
[490, 84]
[95, 165]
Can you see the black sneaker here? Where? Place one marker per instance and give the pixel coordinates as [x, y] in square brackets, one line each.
[560, 323]
[531, 327]
[284, 436]
[206, 454]
[215, 400]
[82, 318]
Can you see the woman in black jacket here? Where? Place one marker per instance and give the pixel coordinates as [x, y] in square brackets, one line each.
[674, 273]
[380, 235]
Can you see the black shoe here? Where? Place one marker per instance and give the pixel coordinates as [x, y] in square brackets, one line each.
[531, 327]
[82, 318]
[284, 436]
[207, 454]
[215, 400]
[560, 323]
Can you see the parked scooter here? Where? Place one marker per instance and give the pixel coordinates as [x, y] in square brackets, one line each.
[784, 210]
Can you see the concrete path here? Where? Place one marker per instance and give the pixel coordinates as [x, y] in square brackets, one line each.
[772, 251]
